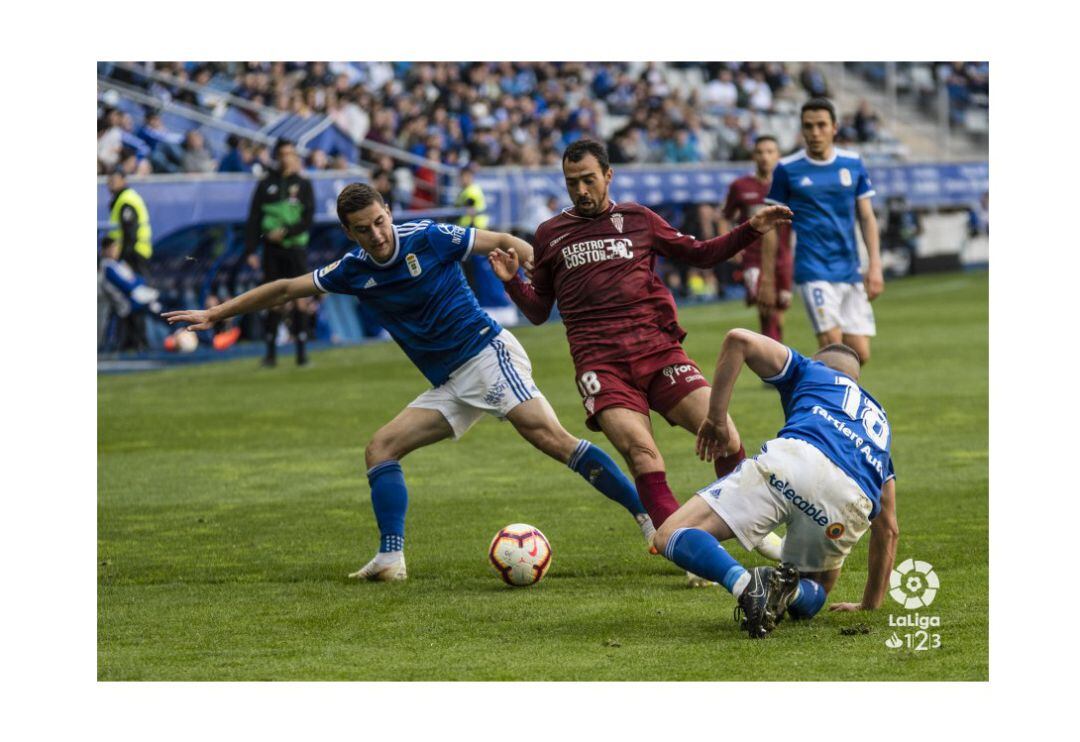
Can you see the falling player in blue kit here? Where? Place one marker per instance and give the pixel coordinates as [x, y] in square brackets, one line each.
[410, 276]
[828, 475]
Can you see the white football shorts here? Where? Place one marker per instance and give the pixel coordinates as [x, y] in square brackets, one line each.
[494, 381]
[842, 305]
[792, 482]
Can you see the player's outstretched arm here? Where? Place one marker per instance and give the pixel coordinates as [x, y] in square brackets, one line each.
[486, 242]
[884, 535]
[261, 297]
[707, 253]
[875, 278]
[764, 356]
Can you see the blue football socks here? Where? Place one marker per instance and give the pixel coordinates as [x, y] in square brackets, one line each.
[699, 552]
[390, 499]
[809, 599]
[601, 471]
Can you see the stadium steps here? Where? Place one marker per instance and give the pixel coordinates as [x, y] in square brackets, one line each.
[920, 136]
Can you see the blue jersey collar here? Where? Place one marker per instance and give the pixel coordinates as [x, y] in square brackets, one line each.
[392, 258]
[821, 163]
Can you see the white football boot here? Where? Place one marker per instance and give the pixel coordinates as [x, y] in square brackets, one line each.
[387, 571]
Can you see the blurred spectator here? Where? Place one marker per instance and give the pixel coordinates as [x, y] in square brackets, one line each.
[109, 142]
[490, 113]
[238, 157]
[867, 123]
[130, 223]
[317, 160]
[542, 206]
[127, 296]
[382, 182]
[813, 82]
[979, 217]
[166, 153]
[720, 94]
[131, 164]
[196, 158]
[682, 148]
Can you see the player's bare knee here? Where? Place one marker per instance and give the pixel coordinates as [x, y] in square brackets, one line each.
[378, 450]
[643, 457]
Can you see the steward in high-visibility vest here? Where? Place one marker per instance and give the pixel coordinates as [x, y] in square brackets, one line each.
[472, 199]
[129, 222]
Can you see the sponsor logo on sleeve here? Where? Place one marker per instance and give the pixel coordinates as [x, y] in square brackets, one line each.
[454, 232]
[327, 268]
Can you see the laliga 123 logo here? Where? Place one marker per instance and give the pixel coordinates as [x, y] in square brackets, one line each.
[913, 584]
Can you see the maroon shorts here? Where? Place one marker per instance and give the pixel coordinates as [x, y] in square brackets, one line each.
[752, 279]
[658, 382]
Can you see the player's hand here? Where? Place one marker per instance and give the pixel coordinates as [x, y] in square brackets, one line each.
[197, 319]
[275, 235]
[712, 439]
[527, 266]
[846, 607]
[253, 261]
[505, 264]
[766, 296]
[769, 217]
[874, 282]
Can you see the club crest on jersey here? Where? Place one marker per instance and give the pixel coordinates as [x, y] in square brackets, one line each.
[845, 177]
[413, 264]
[617, 220]
[834, 530]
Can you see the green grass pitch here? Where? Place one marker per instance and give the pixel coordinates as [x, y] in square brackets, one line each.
[232, 503]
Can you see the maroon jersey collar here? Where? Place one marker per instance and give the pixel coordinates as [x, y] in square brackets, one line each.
[569, 211]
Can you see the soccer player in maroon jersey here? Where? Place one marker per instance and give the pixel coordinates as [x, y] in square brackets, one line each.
[745, 197]
[597, 260]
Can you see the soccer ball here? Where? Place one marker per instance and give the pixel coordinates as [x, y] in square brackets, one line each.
[520, 554]
[182, 341]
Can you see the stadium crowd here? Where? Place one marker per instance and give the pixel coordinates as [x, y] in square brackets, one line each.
[488, 113]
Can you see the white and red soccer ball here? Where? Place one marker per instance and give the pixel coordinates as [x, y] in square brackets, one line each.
[521, 554]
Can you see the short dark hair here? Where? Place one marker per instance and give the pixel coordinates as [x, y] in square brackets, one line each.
[840, 348]
[356, 197]
[282, 144]
[819, 104]
[766, 138]
[578, 149]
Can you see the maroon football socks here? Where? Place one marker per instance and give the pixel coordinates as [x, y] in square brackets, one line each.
[656, 496]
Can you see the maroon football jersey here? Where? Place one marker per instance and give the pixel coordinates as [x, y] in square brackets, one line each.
[601, 271]
[745, 196]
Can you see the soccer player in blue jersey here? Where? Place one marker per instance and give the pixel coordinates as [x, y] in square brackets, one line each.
[828, 475]
[828, 189]
[410, 276]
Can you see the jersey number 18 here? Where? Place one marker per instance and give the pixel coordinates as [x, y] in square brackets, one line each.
[873, 419]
